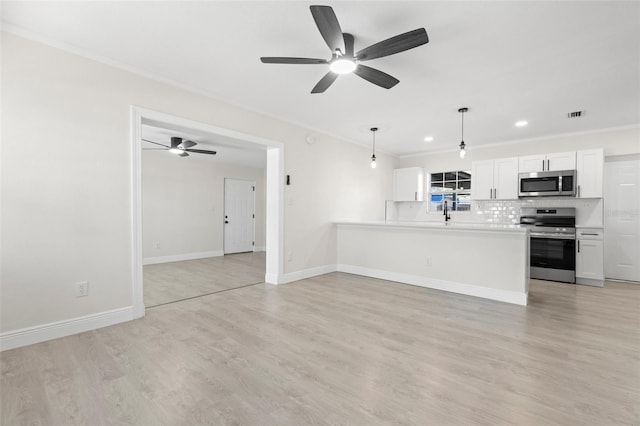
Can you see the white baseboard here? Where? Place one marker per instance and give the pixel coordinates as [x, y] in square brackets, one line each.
[272, 279]
[299, 275]
[180, 257]
[259, 248]
[589, 281]
[54, 330]
[307, 273]
[454, 287]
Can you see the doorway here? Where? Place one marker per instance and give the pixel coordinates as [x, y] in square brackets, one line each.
[239, 216]
[622, 218]
[273, 176]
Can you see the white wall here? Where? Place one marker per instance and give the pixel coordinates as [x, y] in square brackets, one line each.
[183, 204]
[66, 181]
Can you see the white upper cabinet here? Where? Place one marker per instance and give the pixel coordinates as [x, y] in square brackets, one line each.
[590, 171]
[408, 184]
[532, 163]
[495, 179]
[482, 180]
[505, 179]
[561, 161]
[547, 162]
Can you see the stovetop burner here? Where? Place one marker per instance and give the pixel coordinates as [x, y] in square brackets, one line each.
[554, 218]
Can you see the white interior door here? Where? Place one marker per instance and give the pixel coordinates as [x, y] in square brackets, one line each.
[622, 218]
[239, 216]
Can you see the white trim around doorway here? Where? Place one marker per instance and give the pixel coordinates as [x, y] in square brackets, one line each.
[274, 196]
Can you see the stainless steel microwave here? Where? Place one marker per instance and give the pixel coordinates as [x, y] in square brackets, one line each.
[561, 183]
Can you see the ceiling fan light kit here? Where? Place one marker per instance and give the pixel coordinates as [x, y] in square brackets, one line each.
[343, 66]
[344, 60]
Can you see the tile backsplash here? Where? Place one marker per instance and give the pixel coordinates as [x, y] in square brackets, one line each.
[589, 211]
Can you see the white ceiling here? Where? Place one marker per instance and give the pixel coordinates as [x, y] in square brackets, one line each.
[506, 61]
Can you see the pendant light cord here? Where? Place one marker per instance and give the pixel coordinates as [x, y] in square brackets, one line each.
[374, 143]
[374, 130]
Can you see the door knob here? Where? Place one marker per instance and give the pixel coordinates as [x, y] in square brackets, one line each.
[226, 221]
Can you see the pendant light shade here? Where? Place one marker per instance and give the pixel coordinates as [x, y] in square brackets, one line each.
[463, 151]
[373, 156]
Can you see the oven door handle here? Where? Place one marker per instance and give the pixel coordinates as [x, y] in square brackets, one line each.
[552, 236]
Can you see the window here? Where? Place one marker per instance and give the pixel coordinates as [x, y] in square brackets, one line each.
[453, 187]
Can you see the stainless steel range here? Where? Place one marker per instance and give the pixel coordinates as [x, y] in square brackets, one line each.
[553, 242]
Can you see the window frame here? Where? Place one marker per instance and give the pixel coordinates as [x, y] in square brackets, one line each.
[435, 207]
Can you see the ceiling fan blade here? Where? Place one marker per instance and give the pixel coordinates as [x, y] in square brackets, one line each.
[284, 60]
[182, 154]
[329, 27]
[175, 141]
[348, 45]
[325, 82]
[201, 151]
[393, 45]
[376, 77]
[187, 144]
[156, 143]
[153, 149]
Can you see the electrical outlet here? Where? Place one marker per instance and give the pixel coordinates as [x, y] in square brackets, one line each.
[157, 245]
[427, 261]
[290, 257]
[82, 289]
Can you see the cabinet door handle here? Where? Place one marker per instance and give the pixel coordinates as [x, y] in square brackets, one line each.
[543, 165]
[548, 165]
[415, 196]
[578, 191]
[578, 246]
[589, 233]
[490, 193]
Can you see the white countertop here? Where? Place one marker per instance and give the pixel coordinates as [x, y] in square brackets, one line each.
[458, 226]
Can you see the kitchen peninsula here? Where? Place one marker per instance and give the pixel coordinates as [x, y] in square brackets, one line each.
[488, 261]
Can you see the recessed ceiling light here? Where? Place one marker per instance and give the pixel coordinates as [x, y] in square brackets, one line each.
[521, 123]
[428, 139]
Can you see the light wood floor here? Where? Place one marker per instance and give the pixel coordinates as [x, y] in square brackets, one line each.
[169, 282]
[343, 349]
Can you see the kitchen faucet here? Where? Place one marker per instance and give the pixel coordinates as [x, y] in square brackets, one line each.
[447, 217]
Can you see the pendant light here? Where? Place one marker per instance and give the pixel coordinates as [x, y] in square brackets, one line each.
[373, 156]
[463, 152]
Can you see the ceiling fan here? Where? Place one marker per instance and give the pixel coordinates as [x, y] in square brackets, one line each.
[343, 60]
[180, 147]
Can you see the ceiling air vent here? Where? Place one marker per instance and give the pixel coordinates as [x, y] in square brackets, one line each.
[575, 114]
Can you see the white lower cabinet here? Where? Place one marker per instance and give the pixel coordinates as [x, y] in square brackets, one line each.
[590, 257]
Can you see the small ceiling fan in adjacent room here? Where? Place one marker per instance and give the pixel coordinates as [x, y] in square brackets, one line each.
[344, 60]
[180, 147]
